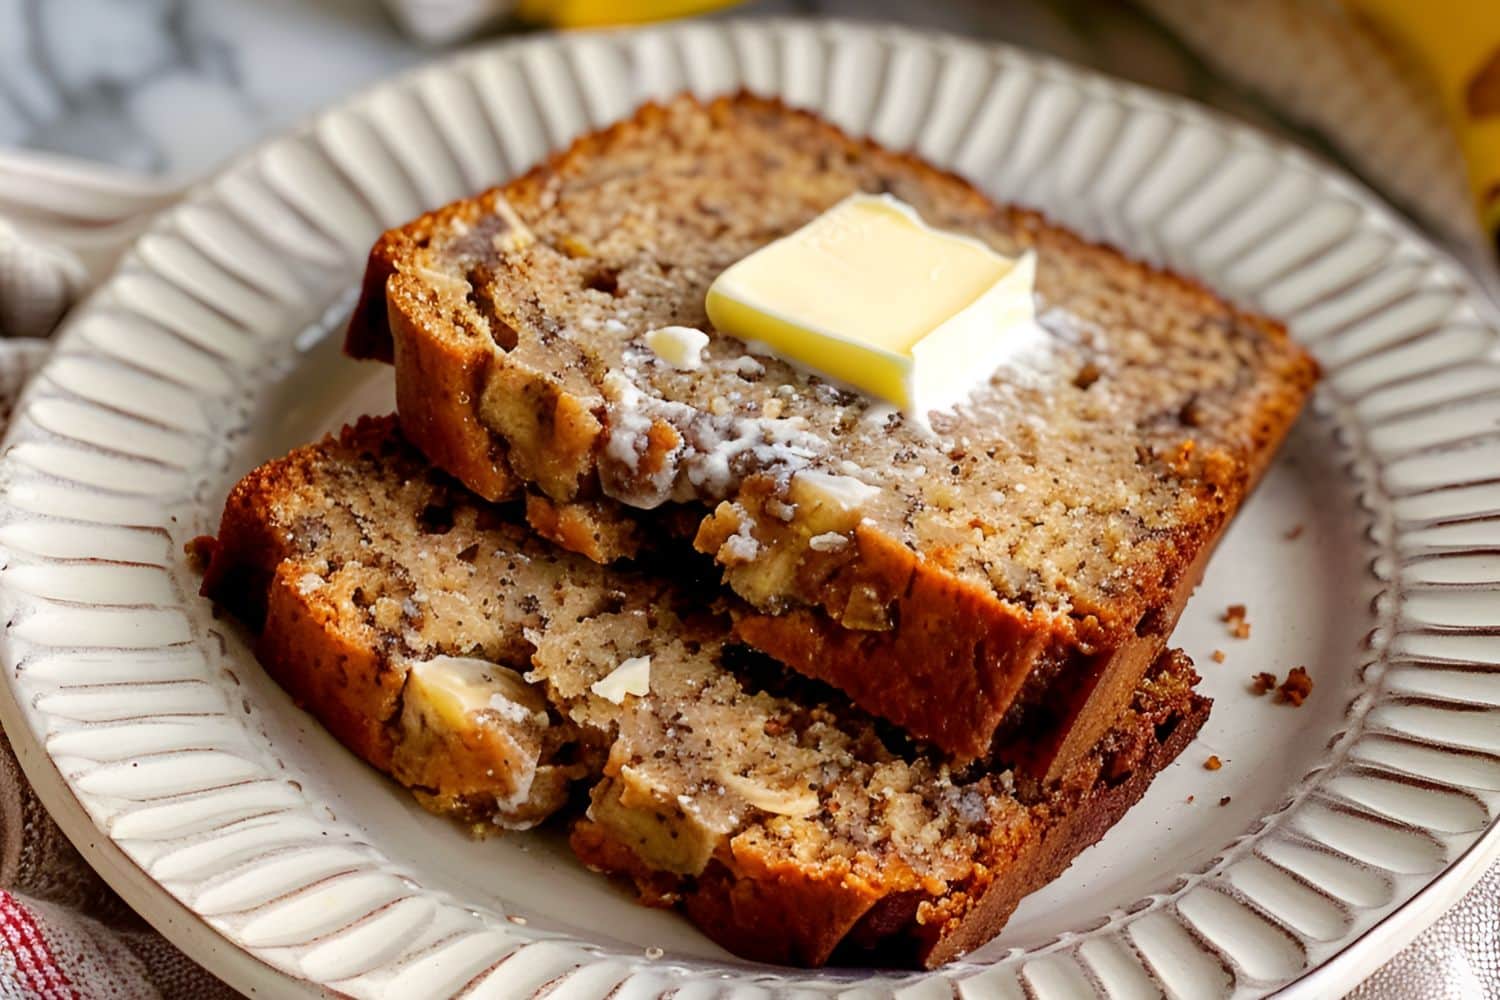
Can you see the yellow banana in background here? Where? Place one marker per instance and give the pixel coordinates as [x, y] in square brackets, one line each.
[1458, 42]
[594, 13]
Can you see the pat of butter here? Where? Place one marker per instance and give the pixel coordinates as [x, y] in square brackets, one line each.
[870, 295]
[679, 346]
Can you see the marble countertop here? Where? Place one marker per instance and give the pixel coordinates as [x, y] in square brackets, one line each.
[173, 87]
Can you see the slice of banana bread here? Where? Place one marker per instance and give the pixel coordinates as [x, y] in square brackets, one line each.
[1006, 578]
[356, 567]
[403, 612]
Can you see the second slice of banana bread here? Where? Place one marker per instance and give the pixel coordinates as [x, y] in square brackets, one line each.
[441, 641]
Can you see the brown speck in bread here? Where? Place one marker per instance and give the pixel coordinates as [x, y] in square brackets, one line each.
[1294, 532]
[1213, 763]
[1295, 689]
[1217, 656]
[1224, 801]
[1262, 682]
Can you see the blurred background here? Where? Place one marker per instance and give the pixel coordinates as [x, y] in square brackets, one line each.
[171, 88]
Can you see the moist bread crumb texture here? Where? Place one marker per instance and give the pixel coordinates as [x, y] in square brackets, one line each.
[790, 828]
[1027, 557]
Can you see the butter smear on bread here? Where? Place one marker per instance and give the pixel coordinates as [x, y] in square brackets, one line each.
[870, 295]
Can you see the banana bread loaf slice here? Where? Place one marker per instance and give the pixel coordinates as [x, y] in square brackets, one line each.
[486, 670]
[354, 566]
[1002, 582]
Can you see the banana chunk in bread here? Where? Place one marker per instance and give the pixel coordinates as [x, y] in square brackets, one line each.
[1002, 582]
[493, 673]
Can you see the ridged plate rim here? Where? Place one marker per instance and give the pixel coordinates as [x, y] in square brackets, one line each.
[1030, 108]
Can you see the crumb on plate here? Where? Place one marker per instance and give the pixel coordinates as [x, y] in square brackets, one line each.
[1213, 763]
[1234, 617]
[199, 552]
[1295, 689]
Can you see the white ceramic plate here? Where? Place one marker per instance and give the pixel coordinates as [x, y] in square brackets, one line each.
[237, 826]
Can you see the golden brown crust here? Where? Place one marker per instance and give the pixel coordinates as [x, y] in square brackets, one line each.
[764, 909]
[338, 677]
[774, 910]
[963, 655]
[435, 381]
[1063, 839]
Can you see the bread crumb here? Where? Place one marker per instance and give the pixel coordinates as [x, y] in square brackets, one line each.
[1190, 799]
[1234, 616]
[1293, 533]
[1213, 763]
[1295, 689]
[1217, 656]
[1224, 801]
[1262, 682]
[200, 552]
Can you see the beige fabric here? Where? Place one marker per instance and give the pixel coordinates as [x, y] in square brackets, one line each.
[37, 284]
[1457, 958]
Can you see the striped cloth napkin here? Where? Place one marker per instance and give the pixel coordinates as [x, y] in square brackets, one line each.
[64, 934]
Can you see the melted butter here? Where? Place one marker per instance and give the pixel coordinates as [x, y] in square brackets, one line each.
[869, 295]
